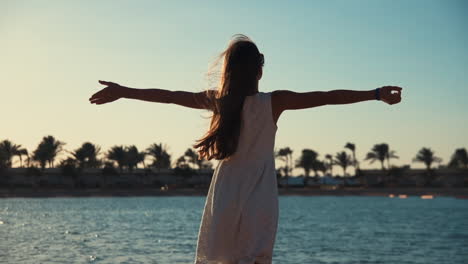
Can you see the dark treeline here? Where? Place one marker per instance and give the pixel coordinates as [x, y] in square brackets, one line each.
[124, 159]
[89, 155]
[309, 159]
[129, 157]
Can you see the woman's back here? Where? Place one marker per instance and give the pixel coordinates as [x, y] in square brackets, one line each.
[257, 130]
[240, 217]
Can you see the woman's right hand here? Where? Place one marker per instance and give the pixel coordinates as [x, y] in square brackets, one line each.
[112, 92]
[390, 94]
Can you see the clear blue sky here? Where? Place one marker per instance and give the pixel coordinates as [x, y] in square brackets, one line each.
[53, 52]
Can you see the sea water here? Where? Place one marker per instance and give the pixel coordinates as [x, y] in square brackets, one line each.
[313, 229]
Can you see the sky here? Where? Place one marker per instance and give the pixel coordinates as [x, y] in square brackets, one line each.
[52, 53]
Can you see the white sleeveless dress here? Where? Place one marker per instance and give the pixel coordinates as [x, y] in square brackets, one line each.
[240, 216]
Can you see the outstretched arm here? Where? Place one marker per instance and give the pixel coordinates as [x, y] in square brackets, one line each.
[289, 100]
[114, 91]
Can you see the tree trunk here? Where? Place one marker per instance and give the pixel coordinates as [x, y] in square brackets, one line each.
[306, 178]
[354, 161]
[344, 176]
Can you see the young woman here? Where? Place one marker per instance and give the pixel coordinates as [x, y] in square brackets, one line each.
[240, 216]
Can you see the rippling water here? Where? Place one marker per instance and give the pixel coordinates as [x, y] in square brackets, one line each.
[323, 229]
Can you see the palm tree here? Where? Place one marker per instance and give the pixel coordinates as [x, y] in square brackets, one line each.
[316, 167]
[40, 155]
[7, 149]
[426, 156]
[330, 163]
[192, 157]
[134, 157]
[28, 160]
[47, 151]
[285, 154]
[322, 166]
[352, 147]
[459, 159]
[86, 155]
[390, 155]
[119, 155]
[79, 158]
[162, 160]
[20, 153]
[182, 162]
[344, 160]
[10, 150]
[381, 153]
[3, 160]
[306, 161]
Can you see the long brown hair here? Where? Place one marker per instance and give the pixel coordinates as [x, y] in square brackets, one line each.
[239, 78]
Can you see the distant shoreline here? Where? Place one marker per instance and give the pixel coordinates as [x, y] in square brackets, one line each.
[385, 192]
